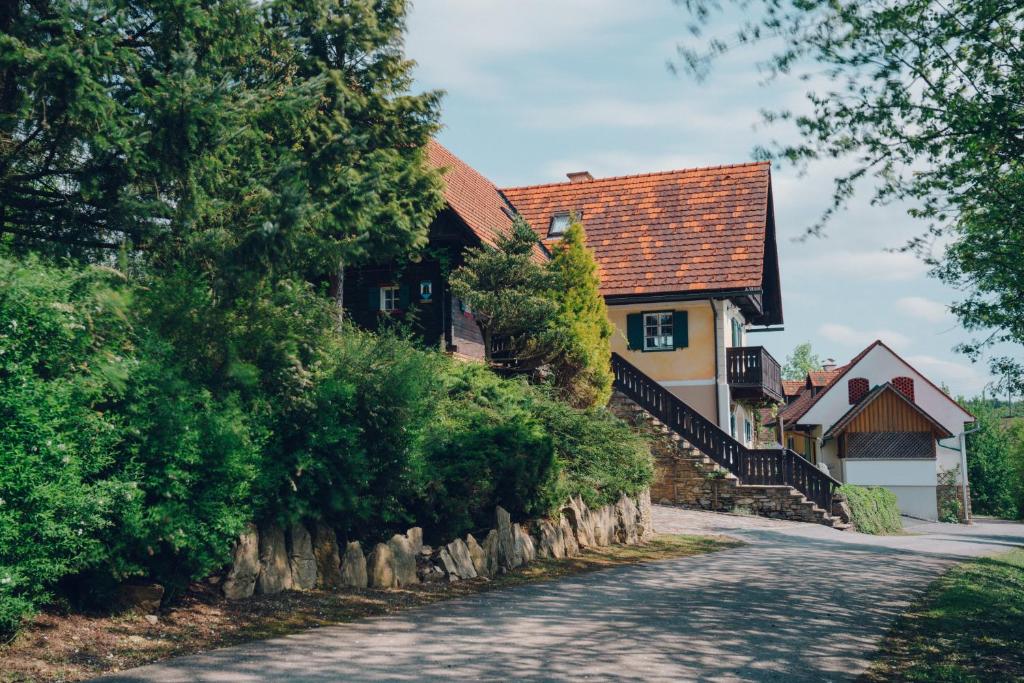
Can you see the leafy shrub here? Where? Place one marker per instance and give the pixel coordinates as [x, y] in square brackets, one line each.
[60, 349]
[599, 455]
[192, 459]
[873, 509]
[351, 454]
[486, 448]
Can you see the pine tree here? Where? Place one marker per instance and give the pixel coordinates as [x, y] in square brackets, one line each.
[582, 365]
[509, 293]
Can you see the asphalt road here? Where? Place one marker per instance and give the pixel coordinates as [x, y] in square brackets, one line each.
[800, 602]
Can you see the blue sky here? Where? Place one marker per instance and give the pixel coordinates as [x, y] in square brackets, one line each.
[536, 88]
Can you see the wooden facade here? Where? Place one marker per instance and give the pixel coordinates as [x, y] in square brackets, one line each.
[889, 413]
[440, 319]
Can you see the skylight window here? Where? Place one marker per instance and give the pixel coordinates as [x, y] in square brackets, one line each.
[559, 224]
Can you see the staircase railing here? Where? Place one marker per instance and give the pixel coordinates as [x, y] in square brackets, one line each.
[764, 466]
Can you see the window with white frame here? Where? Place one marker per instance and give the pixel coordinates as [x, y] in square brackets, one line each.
[389, 298]
[748, 432]
[732, 425]
[658, 331]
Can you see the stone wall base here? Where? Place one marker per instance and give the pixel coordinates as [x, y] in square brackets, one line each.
[684, 476]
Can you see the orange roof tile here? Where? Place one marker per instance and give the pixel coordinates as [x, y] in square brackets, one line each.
[470, 195]
[792, 387]
[674, 231]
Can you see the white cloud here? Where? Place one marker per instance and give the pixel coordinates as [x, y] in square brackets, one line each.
[457, 42]
[848, 336]
[962, 378]
[876, 266]
[690, 115]
[923, 309]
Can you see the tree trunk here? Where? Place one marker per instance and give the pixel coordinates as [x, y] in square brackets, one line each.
[339, 293]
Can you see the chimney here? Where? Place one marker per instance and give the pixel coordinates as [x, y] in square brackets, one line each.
[579, 176]
[829, 365]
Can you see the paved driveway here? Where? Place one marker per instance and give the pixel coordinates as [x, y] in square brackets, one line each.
[799, 603]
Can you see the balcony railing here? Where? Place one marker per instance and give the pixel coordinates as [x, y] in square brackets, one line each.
[753, 373]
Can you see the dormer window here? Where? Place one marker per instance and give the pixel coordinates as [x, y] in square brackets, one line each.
[559, 224]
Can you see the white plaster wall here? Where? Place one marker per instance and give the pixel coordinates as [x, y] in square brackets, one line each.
[916, 501]
[828, 454]
[890, 472]
[879, 366]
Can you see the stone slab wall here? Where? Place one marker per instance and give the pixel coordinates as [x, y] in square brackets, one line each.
[269, 559]
[684, 476]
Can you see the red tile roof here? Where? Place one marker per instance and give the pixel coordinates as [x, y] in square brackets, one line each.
[675, 231]
[793, 387]
[470, 195]
[822, 378]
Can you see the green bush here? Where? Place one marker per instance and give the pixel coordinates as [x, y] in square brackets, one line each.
[486, 448]
[873, 509]
[61, 351]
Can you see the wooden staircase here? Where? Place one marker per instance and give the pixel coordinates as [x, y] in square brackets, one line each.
[700, 465]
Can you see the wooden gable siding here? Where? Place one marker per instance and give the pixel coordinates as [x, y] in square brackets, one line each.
[889, 413]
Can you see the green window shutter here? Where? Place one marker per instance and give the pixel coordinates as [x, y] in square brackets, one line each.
[373, 298]
[635, 331]
[680, 330]
[403, 297]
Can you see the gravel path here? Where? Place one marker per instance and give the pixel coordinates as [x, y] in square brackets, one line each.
[800, 602]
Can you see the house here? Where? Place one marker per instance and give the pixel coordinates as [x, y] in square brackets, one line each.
[877, 421]
[687, 262]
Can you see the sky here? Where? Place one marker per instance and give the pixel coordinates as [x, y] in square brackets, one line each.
[538, 88]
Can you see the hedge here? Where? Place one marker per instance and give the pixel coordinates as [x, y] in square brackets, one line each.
[873, 509]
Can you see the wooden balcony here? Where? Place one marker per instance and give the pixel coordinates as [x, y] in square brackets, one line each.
[753, 374]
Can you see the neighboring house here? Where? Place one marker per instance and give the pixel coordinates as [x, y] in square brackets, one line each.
[687, 262]
[688, 266]
[877, 421]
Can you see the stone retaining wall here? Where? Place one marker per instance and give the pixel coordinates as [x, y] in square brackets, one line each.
[685, 476]
[271, 559]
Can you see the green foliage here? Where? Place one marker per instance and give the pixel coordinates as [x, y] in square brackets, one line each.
[508, 290]
[873, 509]
[582, 363]
[924, 99]
[60, 361]
[990, 468]
[802, 361]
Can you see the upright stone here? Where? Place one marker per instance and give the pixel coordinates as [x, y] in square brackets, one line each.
[646, 517]
[572, 548]
[462, 564]
[353, 566]
[380, 570]
[491, 553]
[404, 559]
[551, 544]
[506, 541]
[627, 520]
[477, 555]
[275, 575]
[245, 565]
[415, 536]
[328, 561]
[581, 521]
[301, 561]
[525, 551]
[607, 522]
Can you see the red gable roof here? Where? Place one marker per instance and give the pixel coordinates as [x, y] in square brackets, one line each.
[470, 195]
[791, 387]
[676, 231]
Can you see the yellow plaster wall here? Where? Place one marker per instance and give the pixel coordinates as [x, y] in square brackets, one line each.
[695, 362]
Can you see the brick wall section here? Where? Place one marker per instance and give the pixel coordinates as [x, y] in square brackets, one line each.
[684, 476]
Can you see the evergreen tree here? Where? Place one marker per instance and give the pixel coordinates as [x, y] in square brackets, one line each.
[508, 290]
[582, 364]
